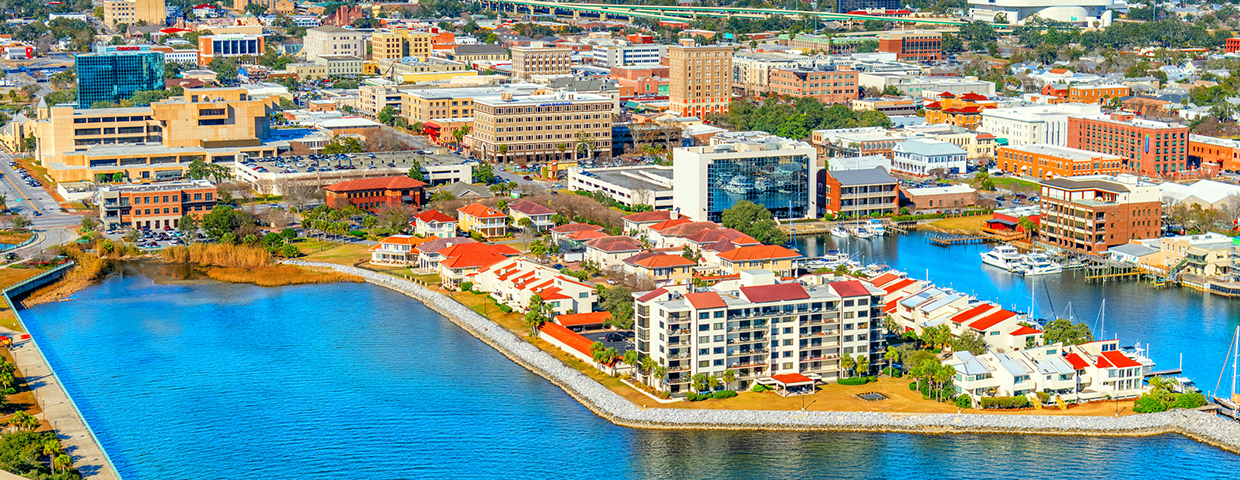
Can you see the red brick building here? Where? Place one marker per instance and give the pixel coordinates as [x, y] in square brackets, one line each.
[826, 86]
[155, 205]
[1092, 214]
[1233, 45]
[372, 193]
[915, 45]
[1148, 147]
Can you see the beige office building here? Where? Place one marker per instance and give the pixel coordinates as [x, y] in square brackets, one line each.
[399, 43]
[330, 40]
[534, 128]
[157, 142]
[540, 60]
[701, 79]
[133, 11]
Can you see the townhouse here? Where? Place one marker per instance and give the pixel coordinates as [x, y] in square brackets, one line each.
[396, 250]
[773, 258]
[516, 281]
[481, 219]
[461, 262]
[611, 251]
[539, 216]
[428, 253]
[1070, 373]
[662, 268]
[434, 223]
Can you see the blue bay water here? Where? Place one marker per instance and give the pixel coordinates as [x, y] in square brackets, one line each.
[320, 382]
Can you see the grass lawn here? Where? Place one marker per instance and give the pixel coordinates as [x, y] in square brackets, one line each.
[975, 222]
[10, 277]
[1015, 184]
[332, 252]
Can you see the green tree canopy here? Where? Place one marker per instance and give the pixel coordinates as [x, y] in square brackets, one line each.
[1065, 331]
[756, 221]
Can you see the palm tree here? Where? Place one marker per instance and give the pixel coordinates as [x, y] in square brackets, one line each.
[729, 376]
[585, 144]
[501, 149]
[369, 222]
[892, 355]
[23, 421]
[846, 363]
[631, 358]
[647, 367]
[863, 365]
[525, 223]
[942, 375]
[52, 448]
[62, 462]
[460, 133]
[562, 147]
[660, 372]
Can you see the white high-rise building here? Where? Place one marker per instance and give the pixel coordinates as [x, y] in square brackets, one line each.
[1093, 13]
[756, 166]
[1034, 124]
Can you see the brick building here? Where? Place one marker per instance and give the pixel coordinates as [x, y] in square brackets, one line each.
[828, 85]
[700, 79]
[373, 193]
[964, 110]
[1051, 161]
[1232, 46]
[1097, 93]
[857, 193]
[1214, 154]
[914, 45]
[1148, 147]
[940, 198]
[154, 205]
[1090, 214]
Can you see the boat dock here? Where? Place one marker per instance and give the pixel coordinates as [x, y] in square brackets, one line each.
[949, 239]
[1164, 373]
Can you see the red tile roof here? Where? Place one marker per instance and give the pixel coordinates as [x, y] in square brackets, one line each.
[471, 255]
[385, 183]
[791, 379]
[649, 296]
[775, 293]
[403, 240]
[1025, 330]
[760, 252]
[971, 313]
[664, 261]
[898, 285]
[579, 319]
[434, 216]
[992, 320]
[883, 279]
[530, 208]
[587, 235]
[851, 288]
[438, 244]
[650, 217]
[479, 210]
[686, 229]
[617, 243]
[932, 105]
[890, 307]
[669, 223]
[1076, 361]
[705, 300]
[576, 227]
[947, 95]
[567, 337]
[722, 235]
[1116, 360]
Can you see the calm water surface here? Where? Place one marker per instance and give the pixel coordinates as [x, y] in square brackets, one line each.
[323, 382]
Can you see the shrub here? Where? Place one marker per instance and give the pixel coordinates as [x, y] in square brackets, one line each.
[467, 286]
[288, 233]
[1149, 404]
[758, 387]
[1190, 400]
[964, 401]
[505, 308]
[871, 379]
[1044, 397]
[1004, 402]
[912, 386]
[893, 372]
[853, 381]
[695, 397]
[357, 233]
[722, 394]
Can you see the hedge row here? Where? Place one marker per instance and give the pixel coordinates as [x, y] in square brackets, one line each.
[720, 395]
[1004, 402]
[856, 380]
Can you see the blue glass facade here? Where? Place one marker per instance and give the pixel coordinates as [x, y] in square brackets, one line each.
[114, 76]
[778, 182]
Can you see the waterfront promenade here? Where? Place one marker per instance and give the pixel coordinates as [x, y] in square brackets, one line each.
[1200, 426]
[59, 412]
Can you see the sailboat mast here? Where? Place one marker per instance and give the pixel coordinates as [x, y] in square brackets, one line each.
[1236, 355]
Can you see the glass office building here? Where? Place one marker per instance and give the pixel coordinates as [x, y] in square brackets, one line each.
[780, 182]
[114, 73]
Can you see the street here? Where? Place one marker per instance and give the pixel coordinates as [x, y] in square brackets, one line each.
[53, 225]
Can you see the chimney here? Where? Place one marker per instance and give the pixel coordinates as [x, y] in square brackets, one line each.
[674, 215]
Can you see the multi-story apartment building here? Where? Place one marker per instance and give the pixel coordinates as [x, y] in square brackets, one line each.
[825, 84]
[921, 157]
[538, 59]
[964, 110]
[115, 73]
[918, 45]
[130, 12]
[541, 128]
[347, 66]
[1214, 153]
[286, 7]
[857, 193]
[1097, 93]
[157, 142]
[751, 71]
[851, 142]
[399, 43]
[451, 105]
[700, 79]
[374, 95]
[1090, 214]
[755, 166]
[477, 53]
[1050, 161]
[1148, 147]
[333, 41]
[229, 45]
[890, 106]
[154, 205]
[1043, 124]
[759, 329]
[629, 186]
[627, 55]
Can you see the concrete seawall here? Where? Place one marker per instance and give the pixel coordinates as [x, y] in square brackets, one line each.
[1199, 426]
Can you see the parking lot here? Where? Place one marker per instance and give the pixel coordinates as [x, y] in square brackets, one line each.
[622, 340]
[151, 239]
[29, 180]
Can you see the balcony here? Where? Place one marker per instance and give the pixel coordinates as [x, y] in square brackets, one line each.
[681, 368]
[808, 358]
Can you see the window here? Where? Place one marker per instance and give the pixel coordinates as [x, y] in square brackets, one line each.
[718, 338]
[704, 316]
[718, 326]
[703, 351]
[718, 350]
[704, 327]
[705, 339]
[704, 364]
[583, 295]
[719, 362]
[719, 314]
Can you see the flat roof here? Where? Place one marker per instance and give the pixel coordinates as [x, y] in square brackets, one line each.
[1074, 154]
[634, 178]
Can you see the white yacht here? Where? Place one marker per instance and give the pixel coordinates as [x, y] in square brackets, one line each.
[862, 232]
[877, 227]
[841, 232]
[1040, 264]
[1006, 257]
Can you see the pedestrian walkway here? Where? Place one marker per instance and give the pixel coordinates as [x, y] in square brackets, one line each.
[58, 410]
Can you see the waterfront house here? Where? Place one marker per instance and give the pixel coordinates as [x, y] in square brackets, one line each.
[428, 253]
[583, 321]
[1090, 371]
[483, 220]
[766, 257]
[539, 215]
[396, 250]
[515, 281]
[461, 262]
[578, 346]
[663, 268]
[434, 223]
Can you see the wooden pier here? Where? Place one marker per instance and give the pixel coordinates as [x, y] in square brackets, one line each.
[949, 239]
[1110, 271]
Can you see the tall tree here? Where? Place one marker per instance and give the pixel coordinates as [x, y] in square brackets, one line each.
[754, 220]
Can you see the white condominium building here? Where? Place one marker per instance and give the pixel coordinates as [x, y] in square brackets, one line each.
[1034, 124]
[737, 166]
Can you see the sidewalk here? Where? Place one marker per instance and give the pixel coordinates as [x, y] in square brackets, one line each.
[87, 455]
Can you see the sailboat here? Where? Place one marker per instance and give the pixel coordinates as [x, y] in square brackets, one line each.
[1231, 405]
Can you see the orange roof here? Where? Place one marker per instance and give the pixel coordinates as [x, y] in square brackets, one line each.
[1114, 359]
[467, 255]
[971, 313]
[705, 300]
[567, 337]
[385, 183]
[890, 307]
[587, 235]
[576, 227]
[403, 240]
[992, 320]
[670, 223]
[479, 210]
[883, 279]
[898, 285]
[650, 217]
[434, 216]
[579, 319]
[792, 379]
[664, 261]
[1025, 330]
[758, 252]
[1076, 361]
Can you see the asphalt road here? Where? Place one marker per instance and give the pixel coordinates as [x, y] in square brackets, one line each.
[54, 225]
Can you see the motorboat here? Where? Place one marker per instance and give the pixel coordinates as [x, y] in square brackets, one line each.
[1006, 257]
[862, 232]
[841, 232]
[1039, 264]
[877, 227]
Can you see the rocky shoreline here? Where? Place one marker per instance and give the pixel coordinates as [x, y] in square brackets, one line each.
[1201, 426]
